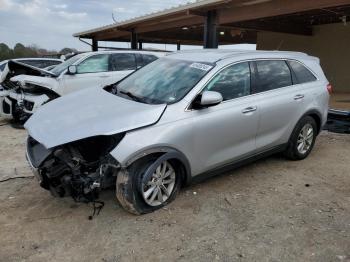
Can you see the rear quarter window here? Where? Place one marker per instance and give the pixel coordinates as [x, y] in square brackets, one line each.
[302, 74]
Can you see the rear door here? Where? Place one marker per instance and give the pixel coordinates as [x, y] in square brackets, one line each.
[226, 132]
[280, 103]
[305, 81]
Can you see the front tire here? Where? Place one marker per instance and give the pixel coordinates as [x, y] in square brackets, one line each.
[302, 139]
[141, 197]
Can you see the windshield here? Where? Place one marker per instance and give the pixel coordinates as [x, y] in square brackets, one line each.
[164, 81]
[61, 67]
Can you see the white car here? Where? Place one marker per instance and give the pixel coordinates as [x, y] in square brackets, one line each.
[25, 93]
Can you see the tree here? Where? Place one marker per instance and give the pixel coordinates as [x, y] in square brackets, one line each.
[5, 52]
[67, 50]
[19, 50]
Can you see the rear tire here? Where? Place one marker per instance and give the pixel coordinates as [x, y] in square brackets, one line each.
[131, 192]
[302, 139]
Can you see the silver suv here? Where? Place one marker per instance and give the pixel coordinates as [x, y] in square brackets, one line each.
[182, 117]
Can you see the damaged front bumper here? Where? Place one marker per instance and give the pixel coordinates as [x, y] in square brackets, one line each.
[20, 105]
[29, 103]
[65, 171]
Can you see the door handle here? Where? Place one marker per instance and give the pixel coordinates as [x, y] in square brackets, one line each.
[298, 97]
[249, 109]
[104, 76]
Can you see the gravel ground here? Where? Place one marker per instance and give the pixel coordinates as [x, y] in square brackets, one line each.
[272, 210]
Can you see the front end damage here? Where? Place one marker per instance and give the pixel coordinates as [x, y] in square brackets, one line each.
[80, 169]
[19, 98]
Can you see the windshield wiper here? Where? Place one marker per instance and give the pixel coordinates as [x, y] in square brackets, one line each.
[132, 96]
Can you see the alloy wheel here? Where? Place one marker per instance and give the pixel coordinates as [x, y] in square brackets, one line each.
[305, 139]
[160, 185]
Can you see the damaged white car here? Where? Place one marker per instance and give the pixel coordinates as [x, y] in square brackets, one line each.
[27, 88]
[43, 63]
[182, 117]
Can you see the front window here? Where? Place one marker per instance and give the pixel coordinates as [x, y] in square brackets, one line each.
[94, 64]
[232, 82]
[62, 67]
[164, 81]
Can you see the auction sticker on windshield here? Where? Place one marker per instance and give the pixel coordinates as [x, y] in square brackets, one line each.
[200, 66]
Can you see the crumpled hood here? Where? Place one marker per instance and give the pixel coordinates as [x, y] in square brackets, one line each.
[14, 68]
[48, 82]
[88, 113]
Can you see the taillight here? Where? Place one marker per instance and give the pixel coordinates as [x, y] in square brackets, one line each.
[329, 88]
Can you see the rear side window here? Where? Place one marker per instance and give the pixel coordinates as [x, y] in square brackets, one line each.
[232, 82]
[302, 74]
[272, 74]
[121, 62]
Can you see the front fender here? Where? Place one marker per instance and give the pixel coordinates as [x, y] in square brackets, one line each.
[167, 154]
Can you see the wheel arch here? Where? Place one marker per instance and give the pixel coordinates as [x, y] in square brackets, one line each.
[162, 154]
[317, 116]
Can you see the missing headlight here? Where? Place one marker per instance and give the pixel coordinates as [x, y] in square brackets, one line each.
[82, 168]
[28, 105]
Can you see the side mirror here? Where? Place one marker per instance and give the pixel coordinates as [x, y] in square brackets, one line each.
[72, 70]
[210, 98]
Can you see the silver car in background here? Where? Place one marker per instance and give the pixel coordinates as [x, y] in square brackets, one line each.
[186, 116]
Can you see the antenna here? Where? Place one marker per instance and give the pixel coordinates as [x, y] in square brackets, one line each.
[115, 21]
[280, 45]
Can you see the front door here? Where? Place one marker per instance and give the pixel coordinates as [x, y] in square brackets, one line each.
[226, 132]
[92, 72]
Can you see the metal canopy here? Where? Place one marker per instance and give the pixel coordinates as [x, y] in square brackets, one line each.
[210, 22]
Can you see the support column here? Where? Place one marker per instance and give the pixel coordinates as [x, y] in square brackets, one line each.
[133, 40]
[140, 45]
[210, 30]
[178, 46]
[94, 46]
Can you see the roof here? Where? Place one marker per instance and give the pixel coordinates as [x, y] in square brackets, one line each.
[238, 21]
[156, 53]
[143, 18]
[215, 55]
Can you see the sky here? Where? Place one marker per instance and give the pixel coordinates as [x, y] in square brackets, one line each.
[50, 24]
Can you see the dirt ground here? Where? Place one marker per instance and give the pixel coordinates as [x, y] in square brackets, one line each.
[272, 210]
